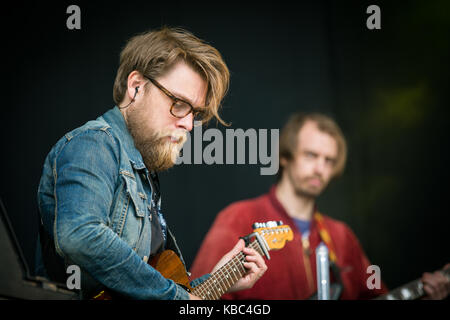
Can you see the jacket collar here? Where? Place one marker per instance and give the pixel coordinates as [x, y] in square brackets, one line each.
[117, 122]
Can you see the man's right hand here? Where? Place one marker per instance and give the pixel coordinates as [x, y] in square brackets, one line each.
[192, 297]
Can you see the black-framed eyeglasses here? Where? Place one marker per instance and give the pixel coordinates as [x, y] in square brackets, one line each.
[180, 108]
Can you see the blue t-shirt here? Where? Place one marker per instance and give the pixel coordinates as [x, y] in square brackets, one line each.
[303, 225]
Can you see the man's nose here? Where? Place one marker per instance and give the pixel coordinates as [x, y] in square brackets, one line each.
[319, 166]
[186, 122]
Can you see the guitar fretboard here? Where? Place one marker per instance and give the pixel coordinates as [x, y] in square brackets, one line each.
[224, 278]
[410, 291]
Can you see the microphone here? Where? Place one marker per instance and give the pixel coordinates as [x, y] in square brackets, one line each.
[323, 272]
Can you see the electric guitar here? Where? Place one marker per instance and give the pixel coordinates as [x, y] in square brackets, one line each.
[267, 236]
[410, 291]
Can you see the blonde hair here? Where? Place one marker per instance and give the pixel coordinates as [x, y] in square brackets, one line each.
[153, 53]
[289, 137]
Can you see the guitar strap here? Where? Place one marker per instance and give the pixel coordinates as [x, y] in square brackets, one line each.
[325, 236]
[337, 287]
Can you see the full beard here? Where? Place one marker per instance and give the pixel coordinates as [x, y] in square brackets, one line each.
[159, 148]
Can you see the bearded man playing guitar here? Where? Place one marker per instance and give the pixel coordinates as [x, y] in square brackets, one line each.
[99, 195]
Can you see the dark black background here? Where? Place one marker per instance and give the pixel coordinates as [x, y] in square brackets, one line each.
[388, 89]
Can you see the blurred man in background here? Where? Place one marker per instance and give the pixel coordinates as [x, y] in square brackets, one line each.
[313, 151]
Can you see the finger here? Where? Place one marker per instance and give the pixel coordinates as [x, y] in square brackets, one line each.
[445, 279]
[251, 268]
[255, 270]
[429, 279]
[253, 259]
[432, 286]
[428, 291]
[428, 284]
[192, 297]
[252, 252]
[447, 285]
[229, 255]
[441, 283]
[238, 247]
[258, 260]
[253, 256]
[249, 251]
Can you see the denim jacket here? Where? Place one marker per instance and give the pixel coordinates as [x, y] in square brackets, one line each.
[94, 199]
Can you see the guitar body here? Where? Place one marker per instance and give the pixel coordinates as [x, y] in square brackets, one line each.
[171, 267]
[168, 264]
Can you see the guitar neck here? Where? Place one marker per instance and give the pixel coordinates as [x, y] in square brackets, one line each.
[410, 291]
[224, 278]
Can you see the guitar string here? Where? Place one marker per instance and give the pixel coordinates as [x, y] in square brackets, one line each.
[207, 285]
[209, 289]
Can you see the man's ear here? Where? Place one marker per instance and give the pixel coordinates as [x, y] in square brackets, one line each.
[135, 84]
[283, 162]
[135, 92]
